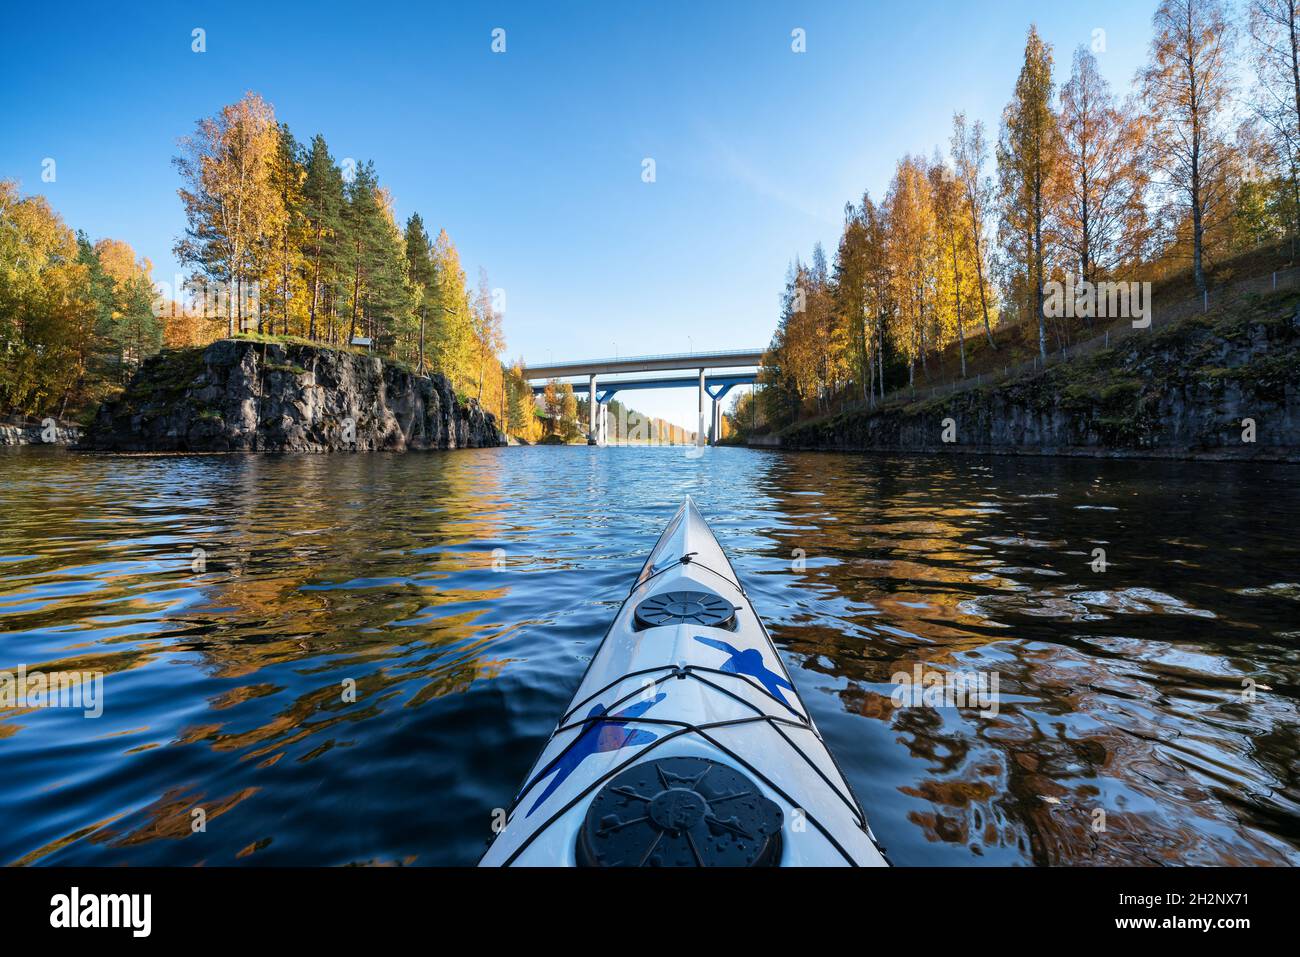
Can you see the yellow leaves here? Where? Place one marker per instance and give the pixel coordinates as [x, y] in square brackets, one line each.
[912, 250]
[384, 197]
[32, 238]
[119, 261]
[231, 204]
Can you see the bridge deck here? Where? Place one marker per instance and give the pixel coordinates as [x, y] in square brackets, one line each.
[726, 359]
[658, 382]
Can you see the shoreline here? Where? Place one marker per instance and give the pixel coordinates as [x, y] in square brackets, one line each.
[1288, 457]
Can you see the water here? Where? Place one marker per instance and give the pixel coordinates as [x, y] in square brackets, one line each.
[1120, 690]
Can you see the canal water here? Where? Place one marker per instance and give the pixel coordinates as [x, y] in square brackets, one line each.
[1147, 713]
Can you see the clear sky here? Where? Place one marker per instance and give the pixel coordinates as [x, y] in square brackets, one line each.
[532, 159]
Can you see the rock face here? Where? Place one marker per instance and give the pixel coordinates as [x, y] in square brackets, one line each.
[1199, 388]
[38, 432]
[241, 395]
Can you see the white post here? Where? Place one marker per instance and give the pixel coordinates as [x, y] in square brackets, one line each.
[699, 435]
[591, 407]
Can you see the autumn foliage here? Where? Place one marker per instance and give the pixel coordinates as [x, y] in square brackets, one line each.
[281, 239]
[1082, 183]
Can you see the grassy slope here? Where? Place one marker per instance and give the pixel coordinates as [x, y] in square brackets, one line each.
[1018, 342]
[1118, 389]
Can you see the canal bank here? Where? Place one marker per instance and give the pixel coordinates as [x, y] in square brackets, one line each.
[1219, 386]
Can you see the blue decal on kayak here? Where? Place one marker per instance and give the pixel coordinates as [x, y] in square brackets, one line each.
[597, 737]
[750, 662]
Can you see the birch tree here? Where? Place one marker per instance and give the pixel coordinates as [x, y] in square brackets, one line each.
[231, 206]
[1187, 88]
[1102, 219]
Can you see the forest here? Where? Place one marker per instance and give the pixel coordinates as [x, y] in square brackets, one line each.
[947, 271]
[281, 239]
[1198, 163]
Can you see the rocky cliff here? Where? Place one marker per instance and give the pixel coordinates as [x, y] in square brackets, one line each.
[47, 431]
[249, 395]
[1224, 385]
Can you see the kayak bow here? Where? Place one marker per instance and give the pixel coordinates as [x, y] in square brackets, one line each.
[686, 742]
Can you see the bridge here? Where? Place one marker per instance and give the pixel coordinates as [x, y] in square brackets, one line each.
[630, 372]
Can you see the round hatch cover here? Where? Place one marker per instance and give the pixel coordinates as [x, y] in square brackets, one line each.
[686, 607]
[681, 812]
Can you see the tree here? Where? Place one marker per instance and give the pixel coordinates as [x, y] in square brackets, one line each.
[287, 233]
[568, 412]
[850, 294]
[1187, 86]
[262, 215]
[489, 340]
[1027, 157]
[1102, 217]
[47, 313]
[231, 206]
[791, 362]
[821, 332]
[1262, 200]
[949, 218]
[419, 270]
[912, 255]
[454, 343]
[362, 222]
[323, 201]
[520, 417]
[877, 302]
[134, 331]
[969, 154]
[553, 404]
[104, 352]
[1274, 27]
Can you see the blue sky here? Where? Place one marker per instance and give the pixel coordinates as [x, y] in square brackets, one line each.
[532, 159]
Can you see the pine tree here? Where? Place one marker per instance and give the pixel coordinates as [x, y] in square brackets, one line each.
[323, 203]
[283, 280]
[419, 271]
[104, 353]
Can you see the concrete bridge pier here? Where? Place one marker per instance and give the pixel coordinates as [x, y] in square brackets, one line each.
[700, 438]
[591, 409]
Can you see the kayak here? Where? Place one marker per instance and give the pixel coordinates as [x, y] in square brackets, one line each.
[686, 743]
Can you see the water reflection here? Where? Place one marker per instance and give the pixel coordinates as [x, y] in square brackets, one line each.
[1121, 690]
[354, 659]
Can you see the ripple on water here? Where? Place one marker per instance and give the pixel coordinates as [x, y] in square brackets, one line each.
[355, 659]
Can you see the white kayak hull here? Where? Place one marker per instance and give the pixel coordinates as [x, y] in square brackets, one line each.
[712, 688]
